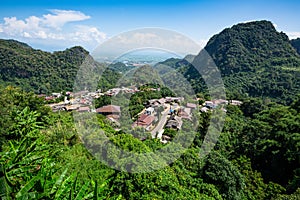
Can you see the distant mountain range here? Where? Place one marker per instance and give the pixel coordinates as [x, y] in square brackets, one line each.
[254, 60]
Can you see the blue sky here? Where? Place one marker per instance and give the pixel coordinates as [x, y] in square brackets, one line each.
[56, 25]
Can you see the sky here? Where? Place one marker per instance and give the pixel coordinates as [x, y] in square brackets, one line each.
[54, 25]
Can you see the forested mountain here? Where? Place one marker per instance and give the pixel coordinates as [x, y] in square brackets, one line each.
[37, 70]
[296, 44]
[243, 47]
[43, 155]
[43, 72]
[254, 60]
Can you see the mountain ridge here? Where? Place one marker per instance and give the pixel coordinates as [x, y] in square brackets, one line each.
[37, 70]
[254, 59]
[250, 42]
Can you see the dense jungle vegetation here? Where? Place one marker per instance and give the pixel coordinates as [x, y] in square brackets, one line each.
[254, 61]
[256, 157]
[42, 156]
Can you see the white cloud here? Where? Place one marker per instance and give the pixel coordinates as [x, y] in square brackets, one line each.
[88, 34]
[59, 18]
[146, 38]
[27, 35]
[33, 22]
[155, 37]
[13, 26]
[42, 34]
[293, 35]
[52, 27]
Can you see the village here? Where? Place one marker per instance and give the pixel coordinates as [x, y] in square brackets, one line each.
[157, 115]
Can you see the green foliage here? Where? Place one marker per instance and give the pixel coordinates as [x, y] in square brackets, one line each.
[25, 123]
[254, 184]
[294, 196]
[48, 161]
[30, 172]
[254, 60]
[296, 44]
[271, 140]
[37, 71]
[296, 104]
[222, 173]
[108, 79]
[102, 101]
[256, 157]
[170, 132]
[20, 112]
[243, 46]
[30, 161]
[252, 106]
[121, 67]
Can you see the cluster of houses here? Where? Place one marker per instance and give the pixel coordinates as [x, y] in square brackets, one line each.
[172, 112]
[209, 105]
[158, 114]
[81, 101]
[53, 96]
[177, 113]
[115, 91]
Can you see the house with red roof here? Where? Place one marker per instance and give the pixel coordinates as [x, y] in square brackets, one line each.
[144, 121]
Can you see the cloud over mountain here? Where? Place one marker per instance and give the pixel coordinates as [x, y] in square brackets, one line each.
[56, 27]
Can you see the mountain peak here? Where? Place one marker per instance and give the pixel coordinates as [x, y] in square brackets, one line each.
[263, 24]
[37, 70]
[246, 45]
[14, 44]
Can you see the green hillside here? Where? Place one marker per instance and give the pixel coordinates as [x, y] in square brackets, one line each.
[55, 155]
[254, 60]
[245, 46]
[296, 44]
[44, 72]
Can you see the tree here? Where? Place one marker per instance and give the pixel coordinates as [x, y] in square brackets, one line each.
[224, 175]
